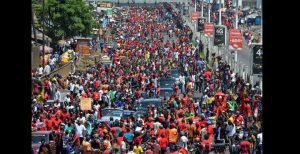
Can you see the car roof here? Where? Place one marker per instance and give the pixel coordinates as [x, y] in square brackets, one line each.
[150, 100]
[41, 132]
[166, 88]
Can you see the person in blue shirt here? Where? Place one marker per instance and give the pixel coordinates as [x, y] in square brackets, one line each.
[128, 135]
[120, 103]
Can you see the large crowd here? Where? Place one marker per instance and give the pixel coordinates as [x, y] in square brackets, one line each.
[229, 111]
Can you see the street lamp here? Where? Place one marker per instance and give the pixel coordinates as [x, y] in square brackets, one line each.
[43, 22]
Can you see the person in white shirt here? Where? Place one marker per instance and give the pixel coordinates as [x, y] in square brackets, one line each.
[260, 141]
[182, 81]
[183, 140]
[67, 99]
[176, 55]
[40, 70]
[57, 96]
[72, 86]
[80, 128]
[47, 69]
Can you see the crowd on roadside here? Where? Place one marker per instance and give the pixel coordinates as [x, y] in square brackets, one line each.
[228, 112]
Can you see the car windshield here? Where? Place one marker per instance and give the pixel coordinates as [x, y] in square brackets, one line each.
[37, 138]
[166, 92]
[114, 114]
[144, 104]
[111, 112]
[167, 83]
[175, 73]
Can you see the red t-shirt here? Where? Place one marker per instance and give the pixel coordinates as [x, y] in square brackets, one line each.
[149, 124]
[49, 124]
[248, 110]
[210, 129]
[113, 131]
[206, 143]
[184, 101]
[64, 116]
[239, 120]
[56, 122]
[161, 131]
[182, 126]
[245, 146]
[163, 142]
[119, 140]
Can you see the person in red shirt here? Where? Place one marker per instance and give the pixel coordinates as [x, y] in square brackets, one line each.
[56, 122]
[161, 131]
[76, 141]
[184, 100]
[182, 125]
[163, 142]
[239, 119]
[64, 115]
[49, 123]
[245, 146]
[206, 143]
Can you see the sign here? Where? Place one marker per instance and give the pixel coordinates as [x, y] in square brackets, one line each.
[220, 36]
[105, 4]
[86, 104]
[195, 16]
[208, 29]
[109, 12]
[201, 22]
[257, 59]
[235, 39]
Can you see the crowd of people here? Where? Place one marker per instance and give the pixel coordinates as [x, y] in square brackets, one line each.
[151, 40]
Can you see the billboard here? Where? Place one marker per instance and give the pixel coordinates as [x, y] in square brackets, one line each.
[257, 59]
[195, 16]
[220, 36]
[201, 22]
[235, 39]
[208, 29]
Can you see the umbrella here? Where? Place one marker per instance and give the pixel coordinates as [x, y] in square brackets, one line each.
[219, 93]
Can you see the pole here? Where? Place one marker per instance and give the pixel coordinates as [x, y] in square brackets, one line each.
[198, 17]
[236, 16]
[208, 44]
[220, 13]
[33, 26]
[202, 8]
[235, 60]
[43, 33]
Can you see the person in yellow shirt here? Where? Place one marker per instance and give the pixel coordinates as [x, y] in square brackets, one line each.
[210, 100]
[86, 145]
[147, 55]
[137, 149]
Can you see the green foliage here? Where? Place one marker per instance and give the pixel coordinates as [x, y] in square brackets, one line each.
[65, 18]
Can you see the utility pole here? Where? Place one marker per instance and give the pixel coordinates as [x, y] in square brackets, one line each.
[43, 21]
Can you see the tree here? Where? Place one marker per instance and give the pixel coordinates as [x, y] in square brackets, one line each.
[66, 18]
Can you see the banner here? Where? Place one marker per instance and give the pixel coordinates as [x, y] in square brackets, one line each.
[85, 104]
[195, 16]
[208, 29]
[235, 39]
[257, 59]
[201, 22]
[220, 36]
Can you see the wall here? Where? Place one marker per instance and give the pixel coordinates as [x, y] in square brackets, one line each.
[35, 57]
